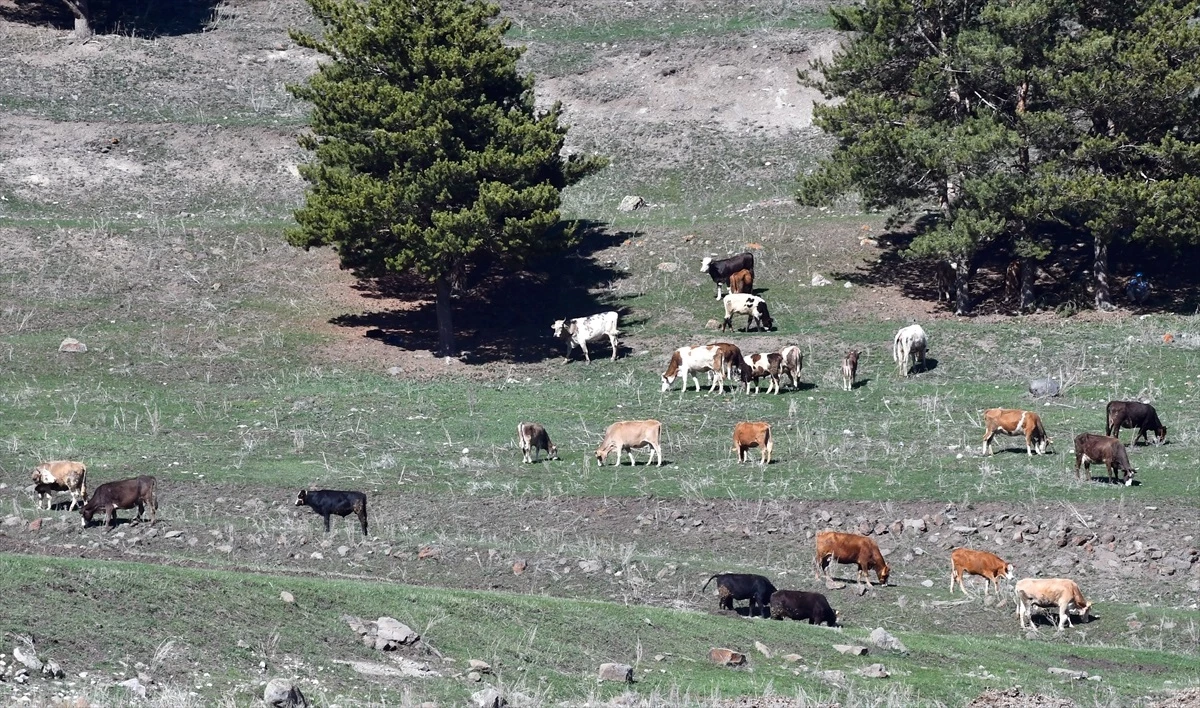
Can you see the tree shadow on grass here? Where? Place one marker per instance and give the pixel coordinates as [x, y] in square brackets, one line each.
[505, 315]
[142, 18]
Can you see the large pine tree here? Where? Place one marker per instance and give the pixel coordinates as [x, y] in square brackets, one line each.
[430, 156]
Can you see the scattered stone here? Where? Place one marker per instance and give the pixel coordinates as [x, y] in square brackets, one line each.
[391, 634]
[173, 534]
[136, 688]
[851, 649]
[965, 530]
[927, 583]
[616, 672]
[474, 676]
[481, 666]
[1041, 388]
[488, 698]
[1013, 698]
[668, 267]
[792, 658]
[917, 525]
[832, 676]
[726, 657]
[394, 371]
[883, 639]
[712, 324]
[831, 584]
[591, 566]
[225, 548]
[428, 552]
[403, 667]
[72, 346]
[35, 525]
[631, 203]
[873, 671]
[519, 566]
[1069, 673]
[762, 649]
[343, 550]
[28, 657]
[287, 597]
[820, 281]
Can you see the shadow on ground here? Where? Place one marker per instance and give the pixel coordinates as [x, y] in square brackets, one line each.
[141, 18]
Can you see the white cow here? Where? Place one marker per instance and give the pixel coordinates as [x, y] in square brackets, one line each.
[911, 343]
[582, 330]
[693, 360]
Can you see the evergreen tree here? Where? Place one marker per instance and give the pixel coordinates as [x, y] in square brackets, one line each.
[430, 156]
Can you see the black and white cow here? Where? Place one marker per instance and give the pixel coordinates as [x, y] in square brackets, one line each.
[752, 306]
[720, 270]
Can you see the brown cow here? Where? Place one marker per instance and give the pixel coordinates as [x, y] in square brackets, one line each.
[988, 565]
[849, 370]
[60, 476]
[1091, 448]
[123, 494]
[946, 274]
[630, 435]
[747, 435]
[533, 438]
[850, 548]
[1012, 279]
[1134, 414]
[1062, 593]
[742, 282]
[1015, 422]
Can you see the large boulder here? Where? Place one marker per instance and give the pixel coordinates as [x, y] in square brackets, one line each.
[616, 672]
[1042, 388]
[282, 693]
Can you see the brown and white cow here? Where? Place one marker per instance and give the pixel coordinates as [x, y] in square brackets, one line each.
[631, 435]
[850, 548]
[747, 435]
[742, 282]
[123, 494]
[1062, 593]
[1134, 414]
[533, 438]
[756, 366]
[60, 476]
[793, 363]
[849, 370]
[731, 364]
[987, 565]
[1011, 421]
[1090, 448]
[693, 360]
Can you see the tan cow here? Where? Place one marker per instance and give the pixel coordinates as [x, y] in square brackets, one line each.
[60, 476]
[850, 548]
[1062, 593]
[987, 565]
[1015, 422]
[742, 282]
[849, 370]
[630, 435]
[747, 435]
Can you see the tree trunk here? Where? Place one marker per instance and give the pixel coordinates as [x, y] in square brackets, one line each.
[1100, 269]
[445, 318]
[962, 286]
[1028, 274]
[79, 8]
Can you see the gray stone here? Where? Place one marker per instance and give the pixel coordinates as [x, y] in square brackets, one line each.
[28, 657]
[851, 649]
[616, 672]
[391, 634]
[668, 267]
[820, 281]
[591, 566]
[631, 203]
[874, 671]
[883, 639]
[915, 524]
[136, 688]
[72, 346]
[1044, 387]
[287, 596]
[282, 693]
[1068, 673]
[832, 676]
[394, 371]
[488, 698]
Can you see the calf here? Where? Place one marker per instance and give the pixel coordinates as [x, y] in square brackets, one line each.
[123, 494]
[748, 435]
[757, 366]
[849, 370]
[1014, 422]
[752, 306]
[581, 330]
[1062, 593]
[987, 565]
[631, 435]
[686, 360]
[60, 476]
[945, 274]
[850, 548]
[1133, 414]
[331, 501]
[800, 605]
[742, 282]
[731, 362]
[911, 343]
[533, 439]
[721, 270]
[793, 363]
[743, 586]
[1091, 448]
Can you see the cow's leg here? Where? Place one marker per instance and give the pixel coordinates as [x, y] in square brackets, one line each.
[141, 510]
[586, 355]
[987, 441]
[1028, 444]
[326, 515]
[612, 339]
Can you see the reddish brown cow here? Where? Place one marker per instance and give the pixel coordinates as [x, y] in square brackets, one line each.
[123, 494]
[988, 565]
[850, 548]
[742, 282]
[748, 435]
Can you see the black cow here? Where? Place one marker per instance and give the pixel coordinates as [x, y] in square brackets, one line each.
[1091, 448]
[1132, 414]
[332, 501]
[720, 270]
[123, 494]
[743, 586]
[800, 605]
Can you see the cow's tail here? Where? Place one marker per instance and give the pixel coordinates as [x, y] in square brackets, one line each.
[714, 577]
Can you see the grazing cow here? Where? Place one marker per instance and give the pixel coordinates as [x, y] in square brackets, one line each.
[581, 330]
[793, 363]
[1015, 422]
[721, 270]
[1133, 414]
[910, 343]
[630, 435]
[1091, 448]
[742, 282]
[849, 370]
[800, 605]
[743, 586]
[731, 362]
[691, 360]
[748, 435]
[1062, 593]
[988, 565]
[60, 476]
[850, 548]
[123, 494]
[1012, 279]
[757, 366]
[533, 439]
[332, 501]
[946, 274]
[752, 306]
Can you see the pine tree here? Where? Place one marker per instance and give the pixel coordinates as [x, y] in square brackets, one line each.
[430, 156]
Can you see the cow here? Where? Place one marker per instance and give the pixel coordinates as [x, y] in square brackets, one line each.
[630, 435]
[690, 360]
[799, 605]
[721, 270]
[122, 494]
[850, 548]
[1012, 279]
[1015, 422]
[731, 362]
[912, 343]
[742, 282]
[743, 586]
[747, 435]
[1134, 414]
[946, 273]
[752, 306]
[849, 369]
[332, 501]
[581, 330]
[533, 439]
[1062, 593]
[1091, 448]
[60, 476]
[987, 565]
[793, 363]
[757, 366]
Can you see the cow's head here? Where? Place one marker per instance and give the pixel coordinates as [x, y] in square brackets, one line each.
[763, 316]
[883, 572]
[704, 264]
[559, 328]
[553, 451]
[746, 372]
[1161, 434]
[301, 498]
[602, 452]
[666, 382]
[1042, 444]
[1008, 572]
[86, 512]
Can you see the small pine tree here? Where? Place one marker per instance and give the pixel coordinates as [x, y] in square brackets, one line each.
[430, 156]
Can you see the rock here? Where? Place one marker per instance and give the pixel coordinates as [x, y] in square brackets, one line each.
[428, 552]
[391, 634]
[28, 657]
[712, 324]
[917, 525]
[136, 688]
[287, 597]
[11, 520]
[616, 672]
[792, 658]
[591, 566]
[726, 657]
[820, 281]
[965, 530]
[883, 639]
[488, 698]
[474, 676]
[394, 371]
[847, 284]
[873, 671]
[851, 649]
[519, 566]
[762, 649]
[1044, 387]
[631, 203]
[668, 267]
[832, 676]
[1069, 673]
[72, 346]
[927, 583]
[282, 693]
[173, 534]
[343, 550]
[35, 525]
[481, 666]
